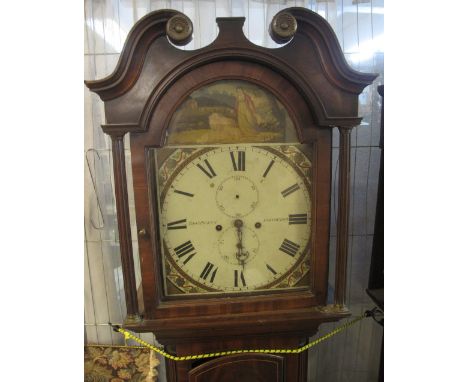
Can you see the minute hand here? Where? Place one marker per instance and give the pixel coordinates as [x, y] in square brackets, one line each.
[240, 255]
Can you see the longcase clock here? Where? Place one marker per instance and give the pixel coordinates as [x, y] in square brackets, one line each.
[231, 159]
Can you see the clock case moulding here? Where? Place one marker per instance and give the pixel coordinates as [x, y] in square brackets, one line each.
[310, 76]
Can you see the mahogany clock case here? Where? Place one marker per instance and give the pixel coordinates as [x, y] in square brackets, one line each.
[157, 305]
[311, 78]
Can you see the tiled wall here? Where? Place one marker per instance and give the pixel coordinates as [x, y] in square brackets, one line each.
[349, 356]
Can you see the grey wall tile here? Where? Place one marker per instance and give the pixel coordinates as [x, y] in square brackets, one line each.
[331, 275]
[88, 120]
[257, 23]
[92, 216]
[137, 265]
[350, 27]
[359, 171]
[322, 9]
[97, 26]
[98, 281]
[149, 338]
[113, 280]
[363, 132]
[131, 342]
[104, 334]
[334, 191]
[91, 334]
[372, 188]
[131, 196]
[117, 338]
[154, 5]
[335, 18]
[103, 173]
[325, 352]
[354, 376]
[351, 342]
[377, 100]
[336, 138]
[378, 23]
[364, 23]
[312, 365]
[88, 32]
[364, 346]
[162, 368]
[376, 347]
[358, 269]
[89, 314]
[374, 353]
[206, 29]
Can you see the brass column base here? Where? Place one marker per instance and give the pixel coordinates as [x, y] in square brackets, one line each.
[334, 308]
[132, 319]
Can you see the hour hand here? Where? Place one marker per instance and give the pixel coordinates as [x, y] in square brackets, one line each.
[240, 254]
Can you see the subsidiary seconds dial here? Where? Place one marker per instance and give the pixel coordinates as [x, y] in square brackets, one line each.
[236, 218]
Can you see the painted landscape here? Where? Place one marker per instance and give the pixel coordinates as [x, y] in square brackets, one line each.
[230, 112]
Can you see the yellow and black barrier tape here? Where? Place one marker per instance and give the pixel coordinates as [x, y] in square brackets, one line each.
[128, 336]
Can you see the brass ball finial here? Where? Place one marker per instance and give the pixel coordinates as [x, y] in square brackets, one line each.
[283, 27]
[179, 29]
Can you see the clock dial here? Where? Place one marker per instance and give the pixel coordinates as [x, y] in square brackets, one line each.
[237, 218]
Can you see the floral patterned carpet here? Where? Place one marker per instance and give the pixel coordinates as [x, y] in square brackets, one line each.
[119, 364]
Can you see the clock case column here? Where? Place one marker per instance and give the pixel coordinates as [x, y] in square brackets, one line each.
[152, 77]
[123, 220]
